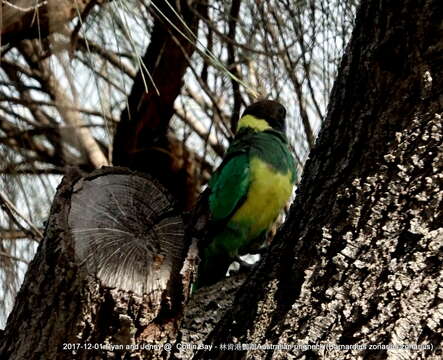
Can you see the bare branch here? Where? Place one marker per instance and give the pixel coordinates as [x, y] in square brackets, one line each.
[198, 127]
[19, 19]
[7, 205]
[12, 257]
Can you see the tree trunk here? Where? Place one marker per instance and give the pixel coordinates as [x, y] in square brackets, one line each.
[358, 262]
[142, 141]
[104, 284]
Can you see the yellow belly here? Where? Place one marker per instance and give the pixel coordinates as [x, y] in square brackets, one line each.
[268, 194]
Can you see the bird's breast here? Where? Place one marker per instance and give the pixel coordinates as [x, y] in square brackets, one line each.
[268, 193]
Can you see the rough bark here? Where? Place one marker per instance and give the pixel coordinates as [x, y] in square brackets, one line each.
[142, 141]
[358, 261]
[104, 282]
[205, 309]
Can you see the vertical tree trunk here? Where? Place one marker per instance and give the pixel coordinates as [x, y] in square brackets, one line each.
[141, 141]
[359, 260]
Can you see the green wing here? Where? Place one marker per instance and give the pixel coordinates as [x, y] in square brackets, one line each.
[229, 186]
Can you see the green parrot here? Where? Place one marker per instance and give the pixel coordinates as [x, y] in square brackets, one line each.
[248, 191]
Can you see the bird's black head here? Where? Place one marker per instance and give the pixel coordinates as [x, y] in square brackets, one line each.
[271, 111]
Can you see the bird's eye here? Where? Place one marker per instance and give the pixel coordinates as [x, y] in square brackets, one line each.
[282, 112]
